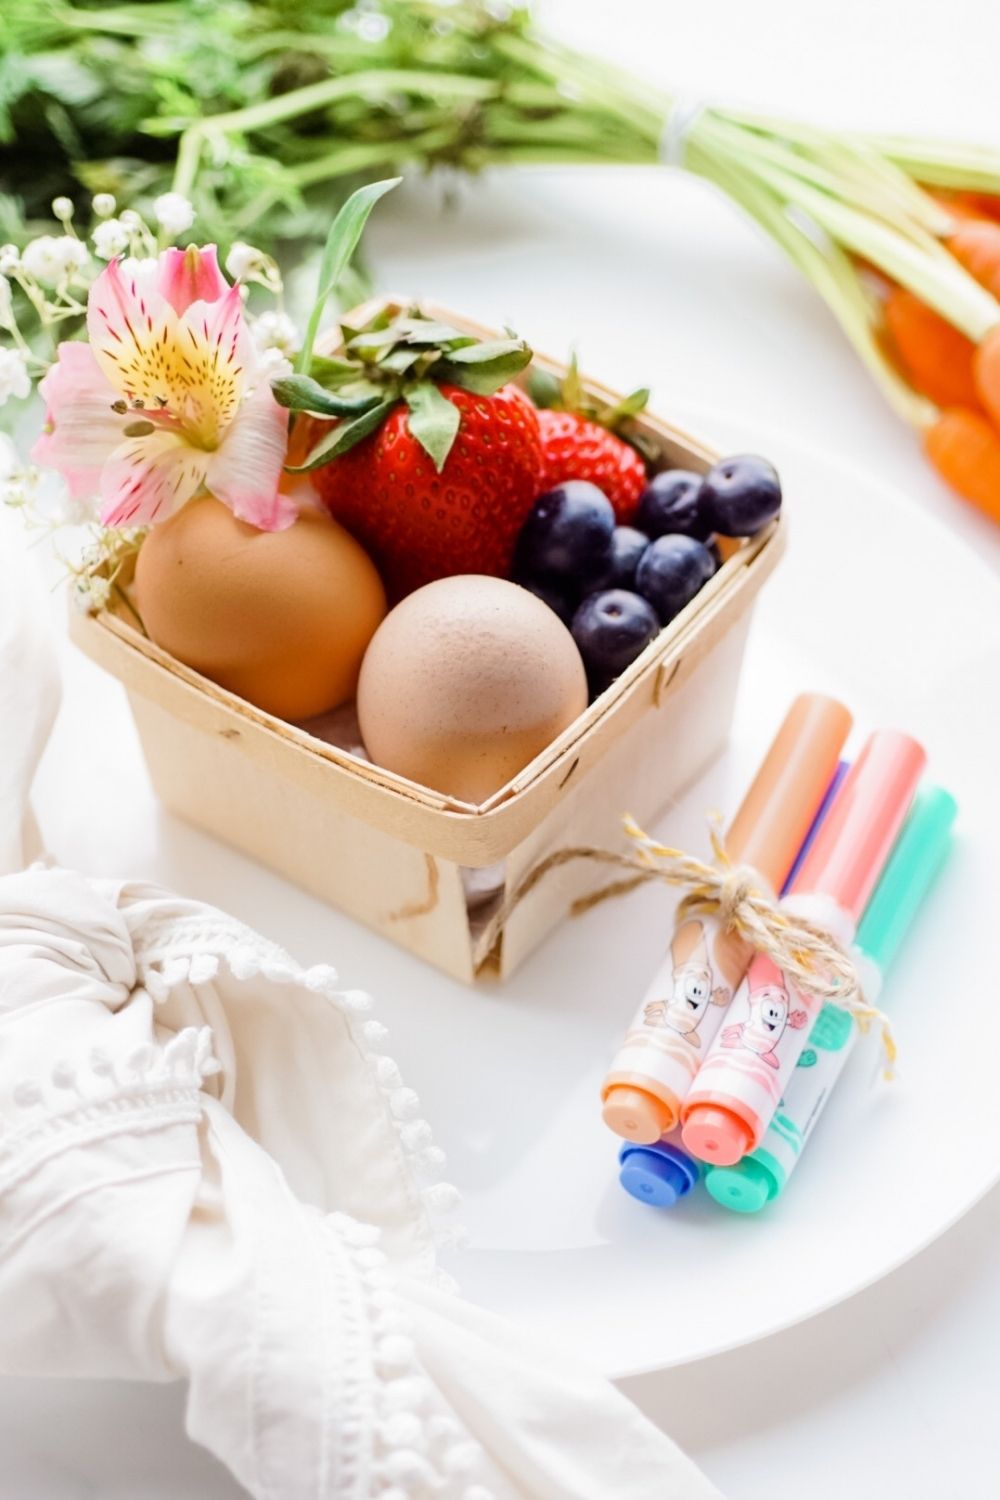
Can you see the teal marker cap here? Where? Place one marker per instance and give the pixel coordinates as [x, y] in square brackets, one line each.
[916, 857]
[749, 1185]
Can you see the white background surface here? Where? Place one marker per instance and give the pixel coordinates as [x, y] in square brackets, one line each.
[894, 1393]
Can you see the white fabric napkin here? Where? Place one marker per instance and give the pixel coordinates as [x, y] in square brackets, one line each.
[211, 1169]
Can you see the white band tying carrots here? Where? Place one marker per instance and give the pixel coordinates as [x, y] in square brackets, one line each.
[676, 129]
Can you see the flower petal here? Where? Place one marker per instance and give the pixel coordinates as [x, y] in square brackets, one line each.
[133, 331]
[80, 427]
[150, 476]
[245, 470]
[190, 275]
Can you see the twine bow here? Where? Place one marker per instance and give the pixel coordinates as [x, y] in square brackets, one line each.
[806, 953]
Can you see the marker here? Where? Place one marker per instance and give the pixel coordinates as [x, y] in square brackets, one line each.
[659, 1174]
[692, 988]
[663, 1173]
[917, 857]
[746, 1071]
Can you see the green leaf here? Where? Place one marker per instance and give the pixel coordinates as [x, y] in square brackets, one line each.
[433, 421]
[426, 331]
[543, 388]
[332, 372]
[398, 361]
[343, 437]
[572, 387]
[300, 393]
[628, 406]
[485, 376]
[341, 243]
[488, 349]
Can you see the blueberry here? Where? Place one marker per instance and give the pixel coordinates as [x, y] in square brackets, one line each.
[554, 598]
[671, 571]
[740, 495]
[627, 546]
[670, 505]
[567, 536]
[611, 628]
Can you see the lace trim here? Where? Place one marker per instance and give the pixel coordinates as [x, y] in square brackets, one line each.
[88, 1099]
[392, 1447]
[163, 964]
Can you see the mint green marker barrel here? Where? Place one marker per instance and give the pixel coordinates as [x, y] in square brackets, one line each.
[918, 854]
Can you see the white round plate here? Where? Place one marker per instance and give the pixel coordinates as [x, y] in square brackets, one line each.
[874, 603]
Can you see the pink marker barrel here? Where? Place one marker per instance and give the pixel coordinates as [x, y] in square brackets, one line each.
[738, 1086]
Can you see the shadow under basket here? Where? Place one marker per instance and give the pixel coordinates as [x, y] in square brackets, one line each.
[428, 872]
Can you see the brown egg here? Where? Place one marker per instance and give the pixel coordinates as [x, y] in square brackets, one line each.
[465, 682]
[282, 617]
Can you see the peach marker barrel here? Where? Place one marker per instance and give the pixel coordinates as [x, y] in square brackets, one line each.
[691, 990]
[739, 1085]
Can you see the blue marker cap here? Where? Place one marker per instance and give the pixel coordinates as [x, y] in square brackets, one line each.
[657, 1174]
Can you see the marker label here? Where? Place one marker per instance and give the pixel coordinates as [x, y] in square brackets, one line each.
[830, 1044]
[683, 1009]
[760, 1043]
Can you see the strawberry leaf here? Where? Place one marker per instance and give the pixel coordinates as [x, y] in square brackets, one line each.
[433, 421]
[543, 388]
[341, 243]
[343, 437]
[300, 393]
[628, 406]
[483, 373]
[332, 372]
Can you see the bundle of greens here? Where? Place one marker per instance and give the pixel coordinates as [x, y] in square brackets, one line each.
[265, 114]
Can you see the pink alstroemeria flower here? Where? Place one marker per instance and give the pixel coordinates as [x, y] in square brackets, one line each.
[161, 404]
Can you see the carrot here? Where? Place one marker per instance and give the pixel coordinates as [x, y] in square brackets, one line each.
[965, 450]
[976, 205]
[976, 246]
[987, 368]
[935, 357]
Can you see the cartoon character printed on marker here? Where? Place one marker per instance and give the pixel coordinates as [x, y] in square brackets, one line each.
[770, 1014]
[694, 989]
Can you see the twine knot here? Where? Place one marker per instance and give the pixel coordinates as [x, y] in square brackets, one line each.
[804, 949]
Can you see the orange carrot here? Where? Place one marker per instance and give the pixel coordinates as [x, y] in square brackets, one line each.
[976, 246]
[987, 368]
[935, 357]
[965, 450]
[976, 205]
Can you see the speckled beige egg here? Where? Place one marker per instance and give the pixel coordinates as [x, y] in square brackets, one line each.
[282, 618]
[465, 682]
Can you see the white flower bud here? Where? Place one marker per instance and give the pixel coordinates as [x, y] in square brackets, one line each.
[242, 260]
[72, 253]
[275, 330]
[110, 238]
[10, 260]
[62, 208]
[104, 205]
[174, 213]
[42, 259]
[6, 304]
[14, 377]
[130, 220]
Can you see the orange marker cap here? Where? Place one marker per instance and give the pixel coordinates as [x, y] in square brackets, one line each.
[777, 811]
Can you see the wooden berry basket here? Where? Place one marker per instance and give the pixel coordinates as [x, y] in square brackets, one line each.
[398, 856]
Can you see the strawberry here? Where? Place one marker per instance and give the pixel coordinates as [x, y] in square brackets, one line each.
[419, 524]
[433, 459]
[580, 440]
[574, 447]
